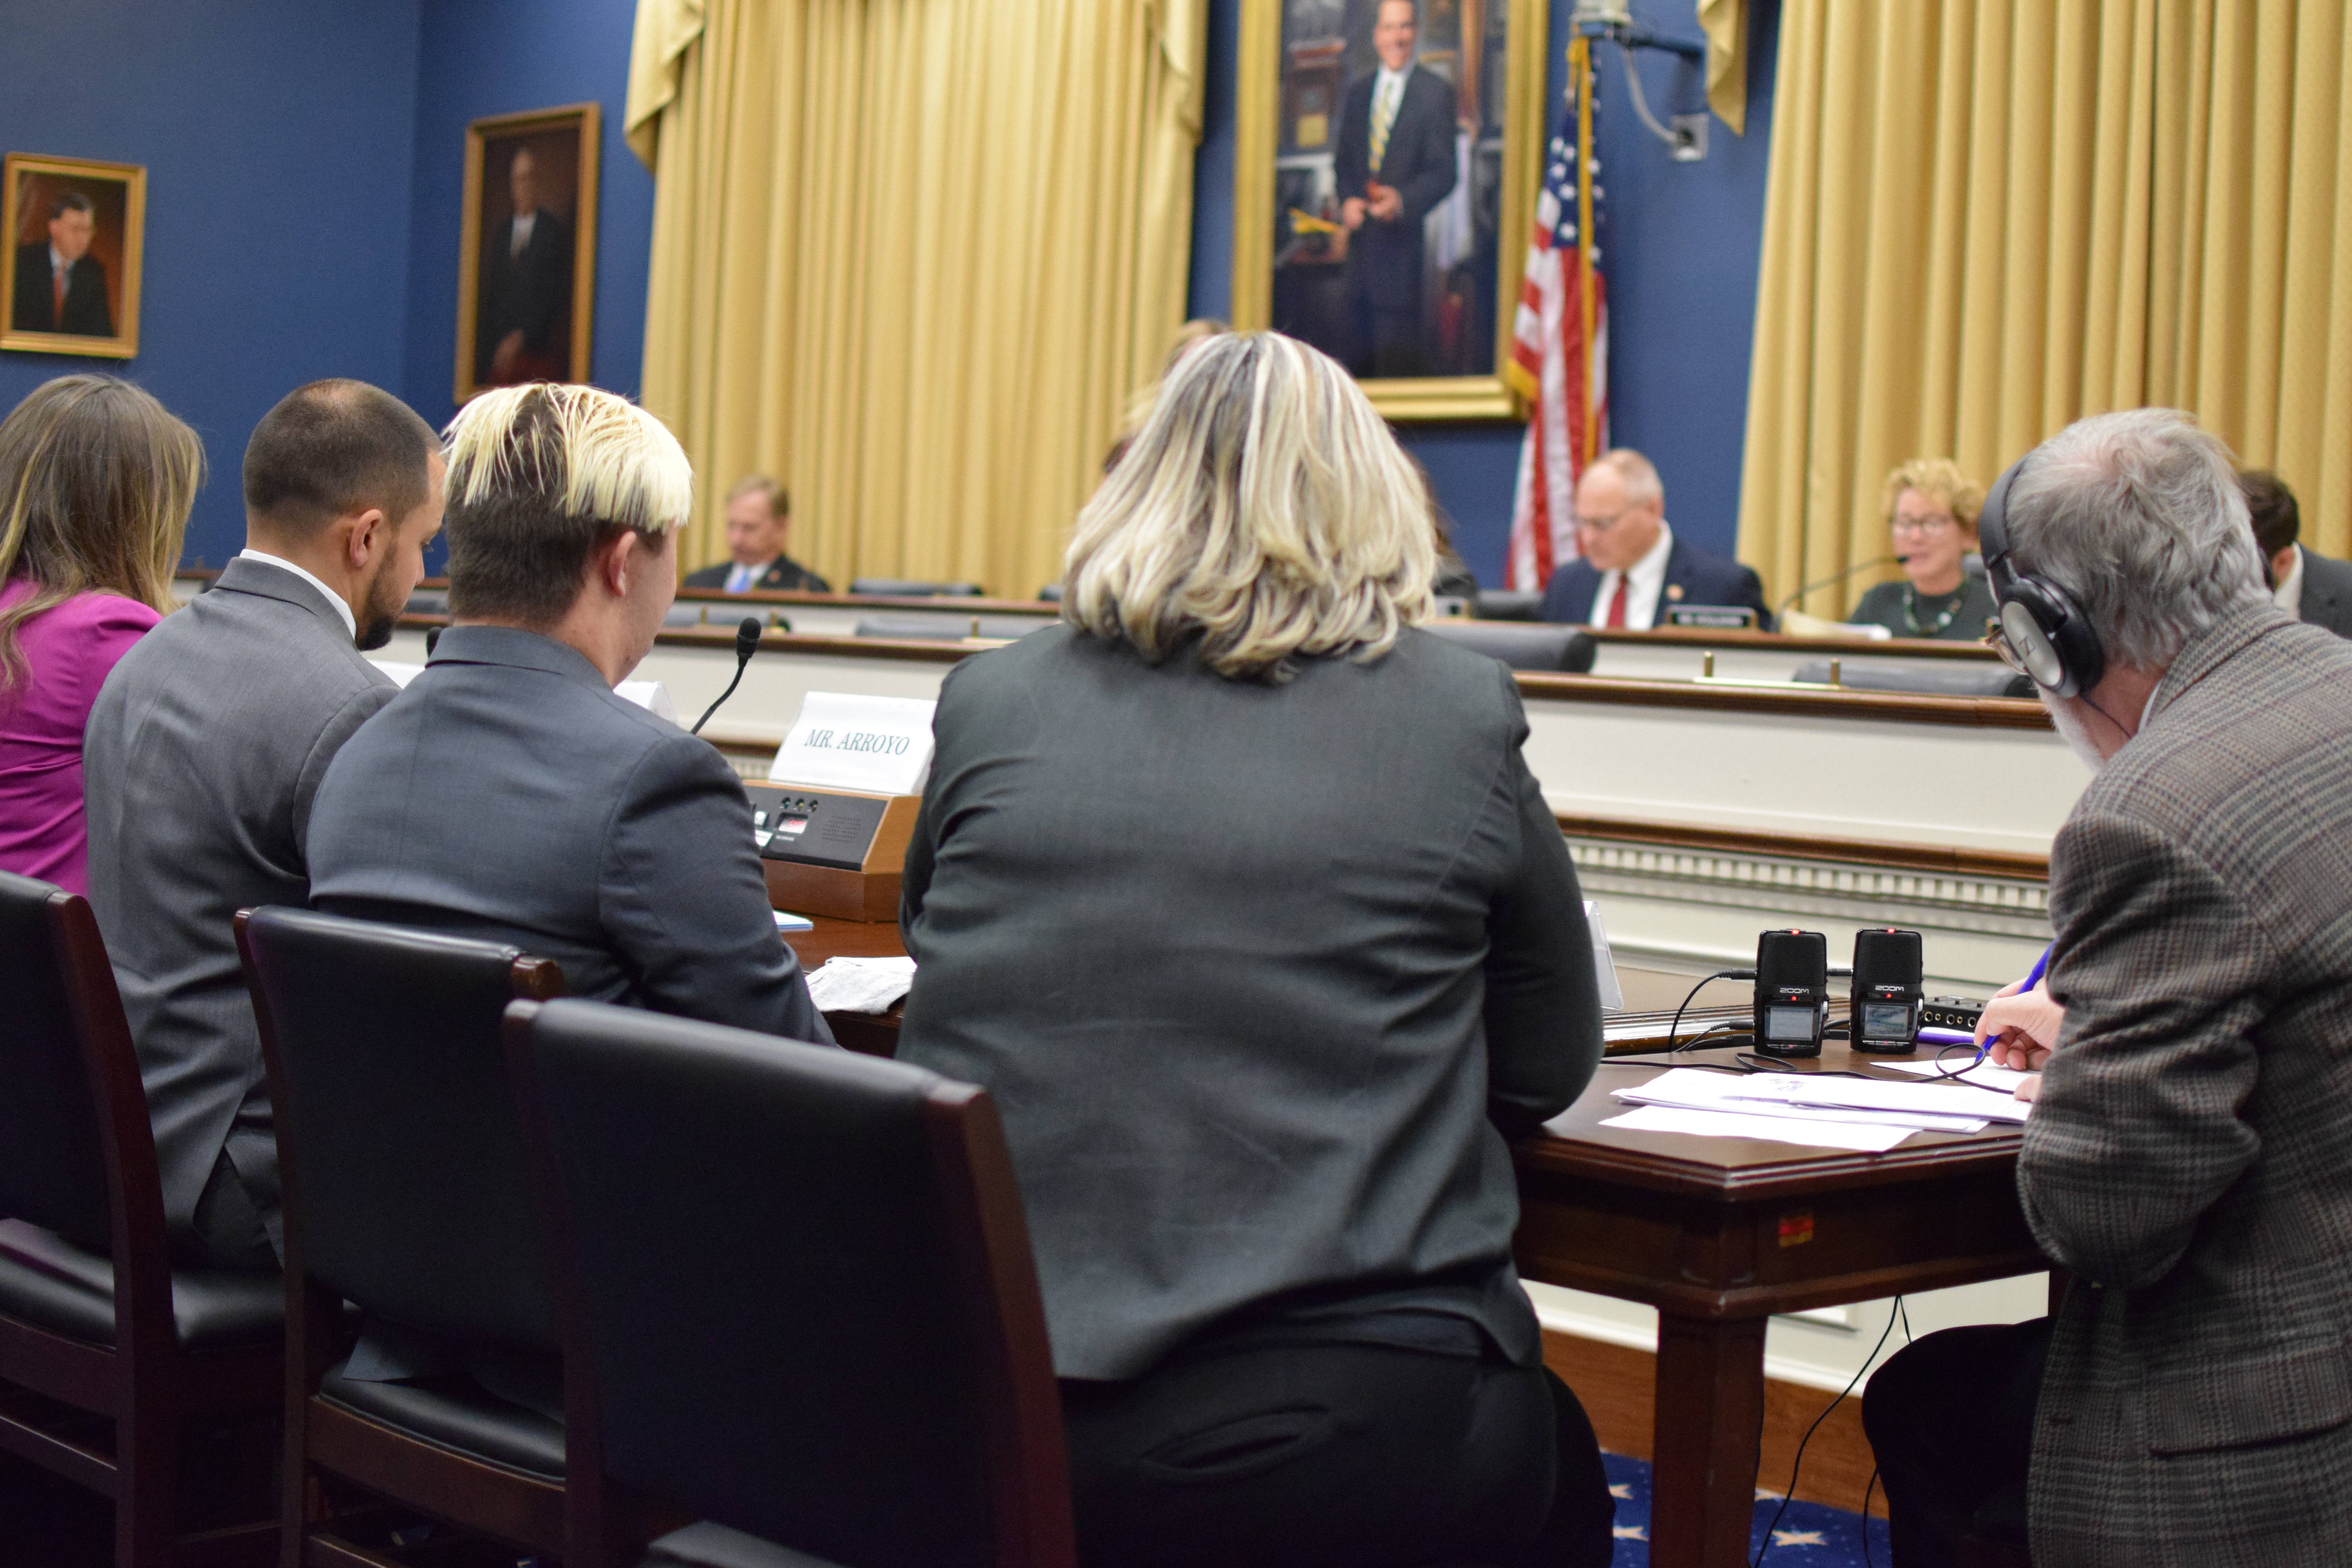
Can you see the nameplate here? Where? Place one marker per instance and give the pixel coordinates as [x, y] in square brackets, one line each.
[878, 744]
[1712, 617]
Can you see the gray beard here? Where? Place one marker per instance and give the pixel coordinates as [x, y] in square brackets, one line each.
[2070, 728]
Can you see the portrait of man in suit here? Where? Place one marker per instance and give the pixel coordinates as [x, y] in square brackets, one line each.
[1393, 166]
[524, 328]
[60, 287]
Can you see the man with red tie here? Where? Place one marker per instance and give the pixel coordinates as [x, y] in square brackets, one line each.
[60, 287]
[1630, 569]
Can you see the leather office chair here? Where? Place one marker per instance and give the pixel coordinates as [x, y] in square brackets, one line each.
[408, 1193]
[1508, 605]
[1522, 646]
[92, 1315]
[1997, 1536]
[1958, 681]
[911, 588]
[950, 628]
[799, 1305]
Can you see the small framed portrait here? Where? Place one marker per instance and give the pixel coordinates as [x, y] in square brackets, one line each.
[527, 277]
[1383, 185]
[76, 228]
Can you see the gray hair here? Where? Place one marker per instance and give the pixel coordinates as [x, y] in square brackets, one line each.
[1638, 473]
[2138, 516]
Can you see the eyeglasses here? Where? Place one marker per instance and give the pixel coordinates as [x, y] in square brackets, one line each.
[1920, 524]
[1602, 524]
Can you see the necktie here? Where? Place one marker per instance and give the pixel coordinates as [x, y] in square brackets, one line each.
[1617, 603]
[1383, 116]
[57, 282]
[740, 579]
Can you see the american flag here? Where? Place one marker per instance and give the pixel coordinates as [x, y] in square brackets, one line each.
[1560, 347]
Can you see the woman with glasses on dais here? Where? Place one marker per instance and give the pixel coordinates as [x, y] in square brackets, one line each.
[1931, 511]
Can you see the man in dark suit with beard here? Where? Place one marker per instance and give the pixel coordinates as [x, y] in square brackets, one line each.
[1393, 166]
[60, 287]
[524, 332]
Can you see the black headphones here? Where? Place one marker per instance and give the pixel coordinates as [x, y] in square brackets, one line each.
[2038, 618]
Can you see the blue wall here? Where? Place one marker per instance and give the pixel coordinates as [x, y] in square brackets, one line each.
[276, 136]
[1680, 249]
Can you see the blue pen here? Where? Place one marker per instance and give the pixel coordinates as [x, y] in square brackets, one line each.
[2032, 978]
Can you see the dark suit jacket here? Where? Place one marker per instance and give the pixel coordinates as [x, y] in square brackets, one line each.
[783, 573]
[1385, 257]
[2327, 592]
[1248, 968]
[509, 795]
[532, 291]
[2186, 1156]
[1694, 576]
[201, 765]
[35, 308]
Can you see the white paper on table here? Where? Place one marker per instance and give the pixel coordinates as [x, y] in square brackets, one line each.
[652, 695]
[1864, 1138]
[1604, 963]
[401, 674]
[860, 985]
[878, 744]
[1824, 1091]
[1984, 1075]
[1693, 1089]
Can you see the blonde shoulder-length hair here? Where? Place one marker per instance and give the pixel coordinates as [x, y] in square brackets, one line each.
[1263, 512]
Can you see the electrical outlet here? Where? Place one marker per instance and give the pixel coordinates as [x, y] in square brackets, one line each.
[1690, 137]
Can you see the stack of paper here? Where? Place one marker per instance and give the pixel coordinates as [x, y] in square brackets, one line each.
[1984, 1075]
[860, 985]
[1815, 1108]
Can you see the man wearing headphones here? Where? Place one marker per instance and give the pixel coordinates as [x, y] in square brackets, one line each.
[2191, 1402]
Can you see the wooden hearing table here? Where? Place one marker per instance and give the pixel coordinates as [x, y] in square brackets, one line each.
[1717, 1233]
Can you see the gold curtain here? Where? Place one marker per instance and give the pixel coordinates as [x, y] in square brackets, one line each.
[1724, 23]
[912, 257]
[1986, 219]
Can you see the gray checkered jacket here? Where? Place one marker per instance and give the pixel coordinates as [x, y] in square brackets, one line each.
[2190, 1159]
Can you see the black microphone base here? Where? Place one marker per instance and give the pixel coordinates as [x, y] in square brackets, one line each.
[1887, 1047]
[1788, 1049]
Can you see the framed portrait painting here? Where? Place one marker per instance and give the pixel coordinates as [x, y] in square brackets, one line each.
[527, 268]
[75, 229]
[1383, 182]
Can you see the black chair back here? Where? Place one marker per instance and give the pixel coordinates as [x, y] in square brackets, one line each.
[911, 588]
[800, 1297]
[407, 1185]
[1953, 681]
[52, 1151]
[1509, 605]
[1522, 644]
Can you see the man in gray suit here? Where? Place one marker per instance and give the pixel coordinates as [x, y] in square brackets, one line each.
[2192, 1401]
[508, 794]
[202, 756]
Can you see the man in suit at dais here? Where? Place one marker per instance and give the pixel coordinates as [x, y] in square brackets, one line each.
[202, 762]
[2187, 1160]
[1631, 568]
[510, 794]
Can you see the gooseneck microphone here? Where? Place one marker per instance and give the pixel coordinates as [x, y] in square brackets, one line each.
[1792, 993]
[1887, 971]
[1827, 582]
[747, 643]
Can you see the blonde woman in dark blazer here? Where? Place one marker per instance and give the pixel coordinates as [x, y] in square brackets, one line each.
[1238, 894]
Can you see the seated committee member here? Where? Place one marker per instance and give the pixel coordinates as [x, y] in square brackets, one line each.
[2308, 586]
[204, 753]
[508, 794]
[1931, 516]
[1236, 893]
[2186, 1160]
[96, 480]
[1630, 569]
[759, 519]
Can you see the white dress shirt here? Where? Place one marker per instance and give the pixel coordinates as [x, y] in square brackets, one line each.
[349, 624]
[1388, 86]
[2288, 595]
[741, 579]
[519, 239]
[1648, 579]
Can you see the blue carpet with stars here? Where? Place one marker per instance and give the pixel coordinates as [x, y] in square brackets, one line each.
[1810, 1534]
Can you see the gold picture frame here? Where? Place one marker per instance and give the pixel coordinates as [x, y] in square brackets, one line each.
[100, 283]
[511, 326]
[1262, 118]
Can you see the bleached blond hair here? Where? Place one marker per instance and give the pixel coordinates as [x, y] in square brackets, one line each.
[538, 475]
[1264, 512]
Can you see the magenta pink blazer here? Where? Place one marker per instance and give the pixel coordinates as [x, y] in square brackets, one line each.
[67, 651]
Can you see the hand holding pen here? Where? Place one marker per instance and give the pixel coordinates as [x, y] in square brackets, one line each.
[2021, 1026]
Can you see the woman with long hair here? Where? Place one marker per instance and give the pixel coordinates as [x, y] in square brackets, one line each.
[1235, 892]
[96, 480]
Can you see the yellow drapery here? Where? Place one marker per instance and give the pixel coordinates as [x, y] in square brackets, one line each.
[1986, 219]
[1724, 23]
[912, 257]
